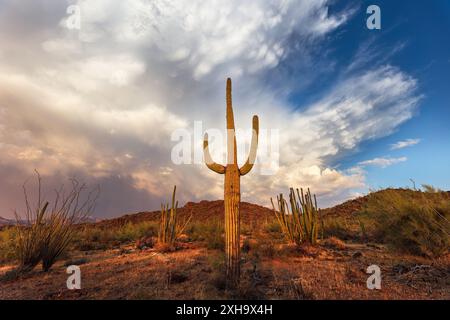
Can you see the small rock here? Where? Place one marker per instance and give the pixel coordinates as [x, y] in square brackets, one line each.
[357, 254]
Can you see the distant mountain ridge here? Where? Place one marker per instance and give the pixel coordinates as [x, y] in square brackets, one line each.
[207, 210]
[250, 213]
[11, 222]
[6, 222]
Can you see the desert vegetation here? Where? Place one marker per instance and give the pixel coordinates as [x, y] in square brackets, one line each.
[170, 228]
[350, 237]
[408, 221]
[46, 230]
[301, 223]
[231, 249]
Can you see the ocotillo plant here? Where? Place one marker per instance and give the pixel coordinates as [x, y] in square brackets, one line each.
[170, 228]
[232, 193]
[301, 224]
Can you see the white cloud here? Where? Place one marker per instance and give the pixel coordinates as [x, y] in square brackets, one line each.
[404, 143]
[246, 37]
[382, 162]
[102, 102]
[362, 107]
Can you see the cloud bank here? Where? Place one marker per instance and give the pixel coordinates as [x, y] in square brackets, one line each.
[101, 103]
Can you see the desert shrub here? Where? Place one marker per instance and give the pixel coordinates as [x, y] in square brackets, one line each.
[132, 232]
[7, 245]
[411, 222]
[334, 243]
[264, 247]
[247, 229]
[272, 227]
[217, 276]
[210, 232]
[93, 237]
[214, 239]
[301, 223]
[49, 229]
[340, 228]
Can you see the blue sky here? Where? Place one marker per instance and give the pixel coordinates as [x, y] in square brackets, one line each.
[102, 100]
[420, 31]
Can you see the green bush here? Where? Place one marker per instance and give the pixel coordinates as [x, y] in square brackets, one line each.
[210, 232]
[8, 238]
[410, 221]
[98, 238]
[341, 228]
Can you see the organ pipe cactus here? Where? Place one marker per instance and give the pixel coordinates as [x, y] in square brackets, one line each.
[232, 194]
[302, 222]
[170, 228]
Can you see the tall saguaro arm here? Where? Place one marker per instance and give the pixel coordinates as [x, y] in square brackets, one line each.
[208, 159]
[248, 165]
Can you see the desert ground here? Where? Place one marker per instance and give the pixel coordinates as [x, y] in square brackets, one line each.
[119, 259]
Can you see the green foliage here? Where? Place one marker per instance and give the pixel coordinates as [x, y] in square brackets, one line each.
[8, 251]
[211, 232]
[272, 227]
[409, 221]
[301, 223]
[98, 238]
[339, 227]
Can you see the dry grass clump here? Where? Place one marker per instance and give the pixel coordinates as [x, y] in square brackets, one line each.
[334, 243]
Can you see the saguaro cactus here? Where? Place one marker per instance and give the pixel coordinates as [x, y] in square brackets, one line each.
[232, 193]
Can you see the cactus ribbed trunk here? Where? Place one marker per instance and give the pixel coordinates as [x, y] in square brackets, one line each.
[232, 199]
[232, 189]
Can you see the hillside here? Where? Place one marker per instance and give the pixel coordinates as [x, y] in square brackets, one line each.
[250, 213]
[200, 211]
[5, 222]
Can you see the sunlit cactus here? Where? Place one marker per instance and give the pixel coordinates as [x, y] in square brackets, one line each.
[170, 228]
[232, 194]
[301, 223]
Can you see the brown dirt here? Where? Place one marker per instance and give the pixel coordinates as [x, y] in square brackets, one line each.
[271, 269]
[309, 273]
